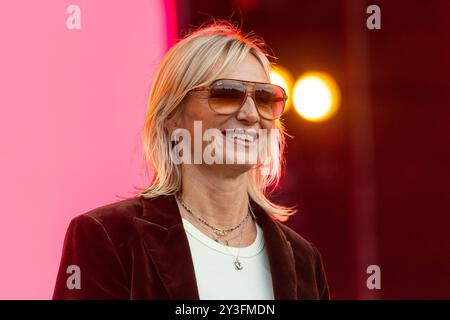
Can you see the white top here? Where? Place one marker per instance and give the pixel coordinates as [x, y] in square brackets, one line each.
[215, 271]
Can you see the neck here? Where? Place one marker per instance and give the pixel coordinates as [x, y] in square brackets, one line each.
[220, 199]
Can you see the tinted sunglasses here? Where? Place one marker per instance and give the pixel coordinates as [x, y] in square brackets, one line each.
[227, 96]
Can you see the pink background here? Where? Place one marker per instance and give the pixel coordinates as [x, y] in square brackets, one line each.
[72, 104]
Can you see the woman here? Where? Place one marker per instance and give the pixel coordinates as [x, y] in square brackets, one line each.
[204, 228]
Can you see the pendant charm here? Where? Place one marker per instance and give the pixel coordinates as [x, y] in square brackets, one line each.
[238, 265]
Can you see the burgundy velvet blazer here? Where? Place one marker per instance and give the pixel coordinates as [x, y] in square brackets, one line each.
[137, 249]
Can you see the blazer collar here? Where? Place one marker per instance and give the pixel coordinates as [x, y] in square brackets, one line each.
[166, 243]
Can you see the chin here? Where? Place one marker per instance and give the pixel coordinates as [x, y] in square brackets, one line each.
[235, 170]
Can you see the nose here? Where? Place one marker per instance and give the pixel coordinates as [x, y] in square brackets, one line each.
[248, 111]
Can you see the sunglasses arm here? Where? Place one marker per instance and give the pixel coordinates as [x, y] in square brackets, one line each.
[199, 89]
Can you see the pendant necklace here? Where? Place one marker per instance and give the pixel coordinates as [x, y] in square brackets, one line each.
[220, 232]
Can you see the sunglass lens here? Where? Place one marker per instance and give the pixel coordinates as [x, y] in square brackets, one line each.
[270, 100]
[226, 96]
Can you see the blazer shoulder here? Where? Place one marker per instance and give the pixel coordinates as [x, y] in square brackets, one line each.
[116, 219]
[97, 242]
[119, 211]
[304, 250]
[296, 240]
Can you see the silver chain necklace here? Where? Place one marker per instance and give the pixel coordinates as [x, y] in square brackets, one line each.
[237, 264]
[220, 232]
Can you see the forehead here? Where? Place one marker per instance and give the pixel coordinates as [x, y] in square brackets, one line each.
[249, 69]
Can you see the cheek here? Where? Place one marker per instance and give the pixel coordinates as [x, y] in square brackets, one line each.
[197, 109]
[197, 114]
[200, 111]
[267, 124]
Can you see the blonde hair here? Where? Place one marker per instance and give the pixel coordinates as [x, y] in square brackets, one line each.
[197, 60]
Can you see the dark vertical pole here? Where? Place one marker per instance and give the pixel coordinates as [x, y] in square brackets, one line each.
[361, 136]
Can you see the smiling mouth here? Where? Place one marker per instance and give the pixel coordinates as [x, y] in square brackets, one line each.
[246, 137]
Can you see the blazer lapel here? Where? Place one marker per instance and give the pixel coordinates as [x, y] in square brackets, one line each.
[280, 254]
[166, 243]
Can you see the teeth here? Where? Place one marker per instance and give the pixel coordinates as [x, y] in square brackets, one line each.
[241, 136]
